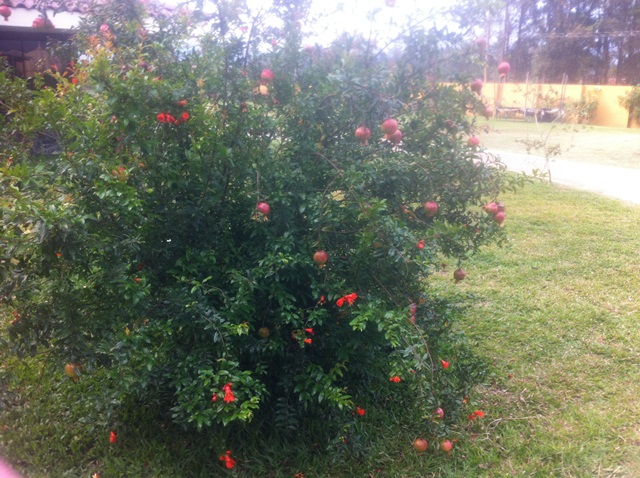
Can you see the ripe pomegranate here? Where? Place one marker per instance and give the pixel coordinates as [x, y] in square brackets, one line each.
[38, 23]
[389, 126]
[5, 12]
[420, 444]
[504, 68]
[476, 86]
[481, 42]
[363, 134]
[181, 103]
[459, 274]
[499, 217]
[267, 75]
[264, 332]
[72, 370]
[439, 413]
[395, 138]
[320, 258]
[431, 208]
[490, 208]
[473, 141]
[446, 446]
[488, 112]
[264, 208]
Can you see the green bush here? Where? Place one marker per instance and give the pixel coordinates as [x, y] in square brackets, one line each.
[631, 101]
[134, 248]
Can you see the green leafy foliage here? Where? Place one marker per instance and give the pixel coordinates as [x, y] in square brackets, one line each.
[631, 101]
[133, 246]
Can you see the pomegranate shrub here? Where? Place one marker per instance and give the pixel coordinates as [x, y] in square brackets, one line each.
[168, 243]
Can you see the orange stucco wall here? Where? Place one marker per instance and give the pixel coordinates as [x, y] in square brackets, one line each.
[523, 95]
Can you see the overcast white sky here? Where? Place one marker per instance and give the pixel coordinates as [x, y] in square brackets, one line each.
[376, 19]
[380, 15]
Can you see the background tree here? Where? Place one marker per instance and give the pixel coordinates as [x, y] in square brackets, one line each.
[586, 41]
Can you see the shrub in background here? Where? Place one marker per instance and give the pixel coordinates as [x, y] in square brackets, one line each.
[164, 247]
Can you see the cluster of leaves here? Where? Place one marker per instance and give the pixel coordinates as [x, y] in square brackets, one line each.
[133, 247]
[581, 111]
[631, 102]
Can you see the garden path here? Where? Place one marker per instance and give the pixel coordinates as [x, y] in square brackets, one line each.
[612, 181]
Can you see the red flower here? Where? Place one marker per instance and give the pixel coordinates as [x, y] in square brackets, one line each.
[113, 437]
[445, 364]
[307, 341]
[74, 81]
[349, 299]
[137, 279]
[395, 379]
[214, 398]
[479, 413]
[360, 411]
[472, 416]
[227, 460]
[166, 118]
[228, 393]
[184, 117]
[421, 244]
[309, 330]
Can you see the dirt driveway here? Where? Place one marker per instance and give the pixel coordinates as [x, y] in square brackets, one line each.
[612, 181]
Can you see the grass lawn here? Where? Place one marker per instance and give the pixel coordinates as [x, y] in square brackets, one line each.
[594, 144]
[558, 317]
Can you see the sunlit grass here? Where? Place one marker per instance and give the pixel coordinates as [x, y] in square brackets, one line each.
[593, 144]
[558, 316]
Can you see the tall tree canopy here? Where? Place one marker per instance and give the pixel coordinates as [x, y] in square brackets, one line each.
[590, 41]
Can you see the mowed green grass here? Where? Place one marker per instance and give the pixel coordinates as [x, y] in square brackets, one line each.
[593, 144]
[558, 315]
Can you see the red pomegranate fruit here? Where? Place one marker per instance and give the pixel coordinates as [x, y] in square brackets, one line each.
[459, 274]
[395, 138]
[476, 86]
[5, 12]
[264, 208]
[363, 134]
[504, 68]
[389, 126]
[267, 75]
[431, 208]
[320, 258]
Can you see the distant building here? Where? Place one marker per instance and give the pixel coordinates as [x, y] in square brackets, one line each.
[28, 25]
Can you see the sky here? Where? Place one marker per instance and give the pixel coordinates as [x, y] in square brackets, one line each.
[381, 16]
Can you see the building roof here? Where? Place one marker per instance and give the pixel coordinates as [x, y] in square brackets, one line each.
[63, 5]
[79, 6]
